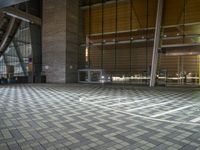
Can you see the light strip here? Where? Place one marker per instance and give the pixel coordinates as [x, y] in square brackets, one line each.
[15, 16]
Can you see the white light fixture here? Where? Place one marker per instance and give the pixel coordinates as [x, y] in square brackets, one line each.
[15, 16]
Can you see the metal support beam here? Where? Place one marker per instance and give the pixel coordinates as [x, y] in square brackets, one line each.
[149, 28]
[199, 67]
[5, 59]
[150, 40]
[6, 35]
[20, 57]
[100, 3]
[16, 13]
[36, 52]
[156, 43]
[181, 45]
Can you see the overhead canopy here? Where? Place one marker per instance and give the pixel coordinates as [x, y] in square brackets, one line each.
[6, 3]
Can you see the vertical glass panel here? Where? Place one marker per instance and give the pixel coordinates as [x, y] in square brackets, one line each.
[109, 18]
[109, 59]
[192, 13]
[19, 52]
[123, 59]
[95, 57]
[96, 20]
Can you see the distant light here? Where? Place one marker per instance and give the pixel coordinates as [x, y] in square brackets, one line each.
[46, 67]
[102, 77]
[178, 34]
[165, 35]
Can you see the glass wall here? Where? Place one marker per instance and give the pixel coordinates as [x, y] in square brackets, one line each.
[180, 44]
[17, 58]
[119, 38]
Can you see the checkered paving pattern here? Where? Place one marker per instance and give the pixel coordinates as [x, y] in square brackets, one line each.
[98, 117]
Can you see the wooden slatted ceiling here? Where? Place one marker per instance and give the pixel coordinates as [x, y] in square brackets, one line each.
[177, 12]
[140, 11]
[123, 17]
[173, 14]
[193, 11]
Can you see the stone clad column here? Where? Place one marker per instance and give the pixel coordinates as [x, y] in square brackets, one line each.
[60, 40]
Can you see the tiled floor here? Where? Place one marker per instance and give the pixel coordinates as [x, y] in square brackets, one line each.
[95, 117]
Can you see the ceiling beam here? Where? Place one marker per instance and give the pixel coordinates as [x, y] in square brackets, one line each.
[6, 35]
[143, 40]
[180, 45]
[100, 4]
[149, 28]
[24, 16]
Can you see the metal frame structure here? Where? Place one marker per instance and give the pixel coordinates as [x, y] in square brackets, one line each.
[20, 57]
[6, 35]
[88, 71]
[156, 43]
[16, 13]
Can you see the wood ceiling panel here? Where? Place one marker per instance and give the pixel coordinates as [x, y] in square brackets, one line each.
[173, 12]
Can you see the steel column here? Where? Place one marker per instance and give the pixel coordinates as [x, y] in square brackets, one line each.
[156, 43]
[199, 67]
[6, 35]
[35, 31]
[24, 16]
[20, 57]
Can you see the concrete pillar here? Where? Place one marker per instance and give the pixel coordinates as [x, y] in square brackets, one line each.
[60, 41]
[72, 40]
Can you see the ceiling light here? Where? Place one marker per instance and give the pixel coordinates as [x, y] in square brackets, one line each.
[15, 16]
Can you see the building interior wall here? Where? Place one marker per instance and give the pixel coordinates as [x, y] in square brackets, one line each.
[119, 37]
